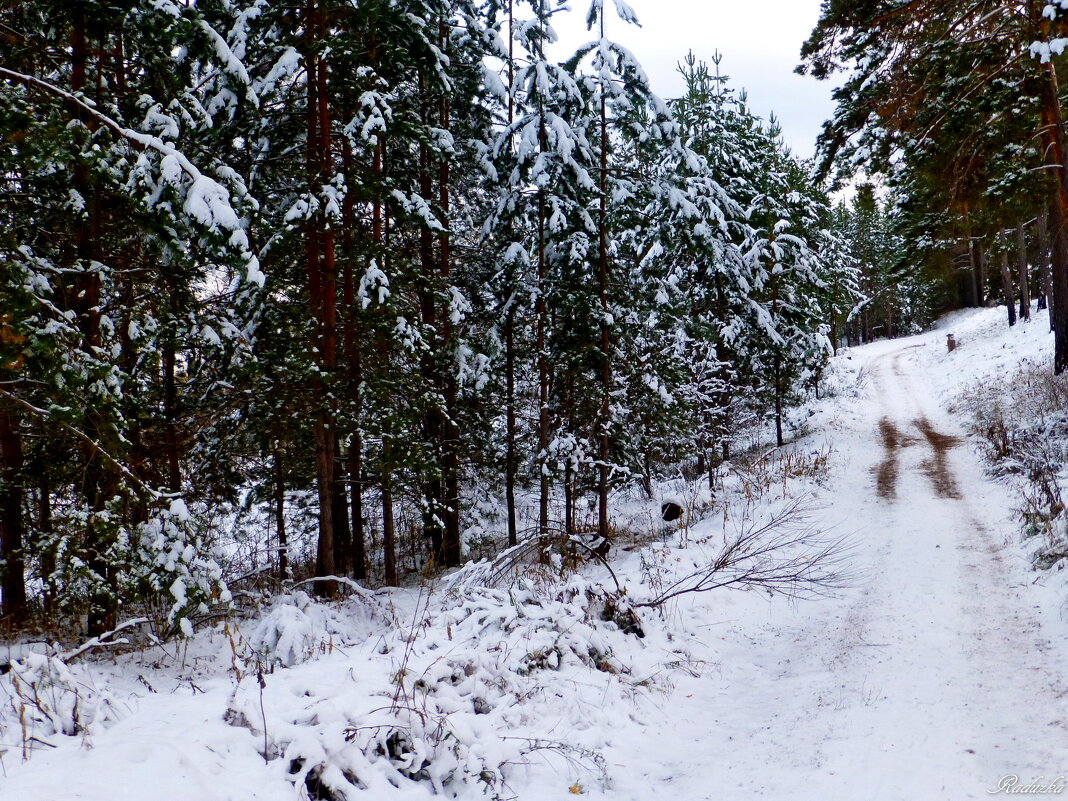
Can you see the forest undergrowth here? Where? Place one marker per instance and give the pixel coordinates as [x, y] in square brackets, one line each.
[459, 684]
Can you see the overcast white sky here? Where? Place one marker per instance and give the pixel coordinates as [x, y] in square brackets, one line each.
[760, 41]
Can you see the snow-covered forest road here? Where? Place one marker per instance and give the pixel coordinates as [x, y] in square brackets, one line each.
[932, 679]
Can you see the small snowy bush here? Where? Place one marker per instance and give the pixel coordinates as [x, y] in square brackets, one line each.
[453, 704]
[172, 560]
[164, 563]
[1021, 425]
[295, 628]
[286, 636]
[42, 696]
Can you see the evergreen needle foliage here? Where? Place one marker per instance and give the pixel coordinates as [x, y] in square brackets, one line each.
[356, 288]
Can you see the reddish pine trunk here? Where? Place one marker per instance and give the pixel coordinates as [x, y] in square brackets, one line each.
[509, 340]
[976, 262]
[1053, 132]
[1006, 279]
[510, 433]
[1025, 277]
[11, 522]
[541, 313]
[389, 536]
[450, 461]
[543, 382]
[433, 419]
[356, 558]
[1058, 287]
[1044, 280]
[605, 422]
[321, 294]
[100, 481]
[280, 515]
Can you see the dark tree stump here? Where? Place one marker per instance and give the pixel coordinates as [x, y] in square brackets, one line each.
[670, 511]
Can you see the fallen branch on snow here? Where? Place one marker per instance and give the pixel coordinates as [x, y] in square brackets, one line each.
[785, 555]
[104, 640]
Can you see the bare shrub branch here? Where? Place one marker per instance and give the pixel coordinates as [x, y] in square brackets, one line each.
[786, 554]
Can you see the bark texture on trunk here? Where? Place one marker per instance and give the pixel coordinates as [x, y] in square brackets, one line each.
[13, 569]
[1025, 273]
[973, 258]
[605, 417]
[509, 336]
[1006, 279]
[1053, 133]
[1044, 279]
[543, 382]
[280, 515]
[322, 291]
[1059, 294]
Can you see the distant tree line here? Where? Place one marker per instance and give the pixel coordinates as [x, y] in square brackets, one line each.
[957, 107]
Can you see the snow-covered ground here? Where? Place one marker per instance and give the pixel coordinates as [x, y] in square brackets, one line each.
[941, 669]
[942, 672]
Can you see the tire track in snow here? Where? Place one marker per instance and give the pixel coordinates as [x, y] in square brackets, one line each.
[973, 638]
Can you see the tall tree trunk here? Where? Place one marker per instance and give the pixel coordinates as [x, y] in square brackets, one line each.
[322, 294]
[45, 548]
[11, 522]
[359, 536]
[100, 482]
[974, 259]
[433, 422]
[1053, 132]
[777, 369]
[1043, 261]
[339, 510]
[1059, 291]
[433, 415]
[356, 558]
[450, 443]
[340, 513]
[541, 312]
[389, 535]
[280, 514]
[605, 417]
[510, 422]
[1025, 274]
[324, 462]
[509, 333]
[389, 531]
[543, 382]
[1006, 278]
